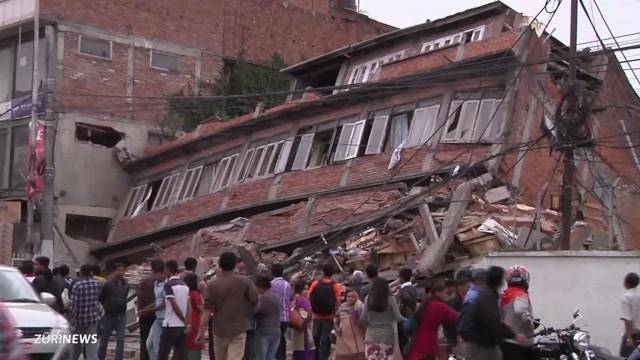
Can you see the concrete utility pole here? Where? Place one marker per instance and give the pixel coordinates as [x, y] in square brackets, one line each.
[34, 118]
[47, 210]
[569, 130]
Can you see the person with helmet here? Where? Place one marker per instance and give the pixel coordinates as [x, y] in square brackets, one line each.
[517, 311]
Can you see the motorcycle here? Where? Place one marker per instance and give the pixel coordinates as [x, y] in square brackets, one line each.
[571, 343]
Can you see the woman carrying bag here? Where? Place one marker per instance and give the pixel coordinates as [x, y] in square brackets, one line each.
[300, 323]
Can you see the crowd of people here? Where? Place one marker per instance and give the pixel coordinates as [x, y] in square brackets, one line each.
[265, 316]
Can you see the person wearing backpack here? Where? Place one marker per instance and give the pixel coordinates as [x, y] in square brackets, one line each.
[325, 299]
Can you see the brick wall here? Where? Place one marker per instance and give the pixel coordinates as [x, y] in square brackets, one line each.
[439, 58]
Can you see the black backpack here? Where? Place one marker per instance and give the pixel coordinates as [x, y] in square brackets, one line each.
[323, 299]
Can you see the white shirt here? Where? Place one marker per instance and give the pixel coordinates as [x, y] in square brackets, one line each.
[404, 285]
[631, 307]
[176, 289]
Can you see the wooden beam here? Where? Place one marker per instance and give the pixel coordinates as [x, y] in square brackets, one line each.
[434, 254]
[430, 231]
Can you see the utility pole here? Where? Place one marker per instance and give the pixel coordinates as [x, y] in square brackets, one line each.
[47, 211]
[33, 123]
[569, 130]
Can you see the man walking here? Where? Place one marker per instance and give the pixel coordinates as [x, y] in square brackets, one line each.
[630, 305]
[231, 298]
[463, 284]
[282, 289]
[45, 282]
[483, 330]
[145, 303]
[408, 302]
[85, 313]
[153, 340]
[113, 298]
[325, 299]
[176, 317]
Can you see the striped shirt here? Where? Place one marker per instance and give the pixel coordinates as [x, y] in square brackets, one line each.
[282, 289]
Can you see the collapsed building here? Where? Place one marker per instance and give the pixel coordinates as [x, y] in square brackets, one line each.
[434, 145]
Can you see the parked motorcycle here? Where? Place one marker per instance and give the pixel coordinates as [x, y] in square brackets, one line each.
[571, 343]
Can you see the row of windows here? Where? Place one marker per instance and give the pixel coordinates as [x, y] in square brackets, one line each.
[103, 49]
[466, 36]
[367, 71]
[469, 120]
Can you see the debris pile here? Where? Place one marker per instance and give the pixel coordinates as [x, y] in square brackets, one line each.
[393, 227]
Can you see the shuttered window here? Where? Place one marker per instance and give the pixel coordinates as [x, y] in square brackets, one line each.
[378, 133]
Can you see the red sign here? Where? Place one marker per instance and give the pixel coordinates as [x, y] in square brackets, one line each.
[37, 162]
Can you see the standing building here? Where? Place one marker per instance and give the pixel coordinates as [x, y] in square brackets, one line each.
[109, 57]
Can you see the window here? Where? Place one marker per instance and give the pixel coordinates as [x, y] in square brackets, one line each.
[322, 147]
[16, 66]
[189, 183]
[224, 171]
[94, 47]
[19, 142]
[399, 129]
[466, 36]
[136, 199]
[472, 120]
[349, 142]
[165, 193]
[98, 135]
[422, 126]
[164, 61]
[87, 227]
[367, 71]
[302, 155]
[377, 135]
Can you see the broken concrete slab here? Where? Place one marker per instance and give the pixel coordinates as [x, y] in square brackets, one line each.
[497, 194]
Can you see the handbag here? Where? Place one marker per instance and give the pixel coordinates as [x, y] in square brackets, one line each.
[296, 319]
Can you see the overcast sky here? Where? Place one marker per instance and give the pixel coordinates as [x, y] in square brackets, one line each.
[622, 16]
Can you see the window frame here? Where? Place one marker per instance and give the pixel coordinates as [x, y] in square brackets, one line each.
[189, 183]
[230, 163]
[366, 71]
[453, 39]
[348, 146]
[177, 57]
[136, 197]
[166, 192]
[80, 37]
[456, 109]
[429, 124]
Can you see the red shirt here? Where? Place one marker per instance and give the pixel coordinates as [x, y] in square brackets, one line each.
[425, 341]
[196, 302]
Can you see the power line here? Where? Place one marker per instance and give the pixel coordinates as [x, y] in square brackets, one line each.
[610, 38]
[593, 26]
[359, 86]
[614, 38]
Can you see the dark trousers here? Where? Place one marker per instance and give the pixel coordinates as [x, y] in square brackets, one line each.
[250, 345]
[322, 338]
[109, 324]
[212, 355]
[626, 350]
[282, 348]
[173, 337]
[511, 351]
[145, 326]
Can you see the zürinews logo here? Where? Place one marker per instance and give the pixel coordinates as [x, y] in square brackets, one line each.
[47, 338]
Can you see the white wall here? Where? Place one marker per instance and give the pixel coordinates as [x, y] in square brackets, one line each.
[15, 11]
[564, 280]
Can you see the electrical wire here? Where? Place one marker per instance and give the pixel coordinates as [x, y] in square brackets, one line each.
[614, 37]
[593, 26]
